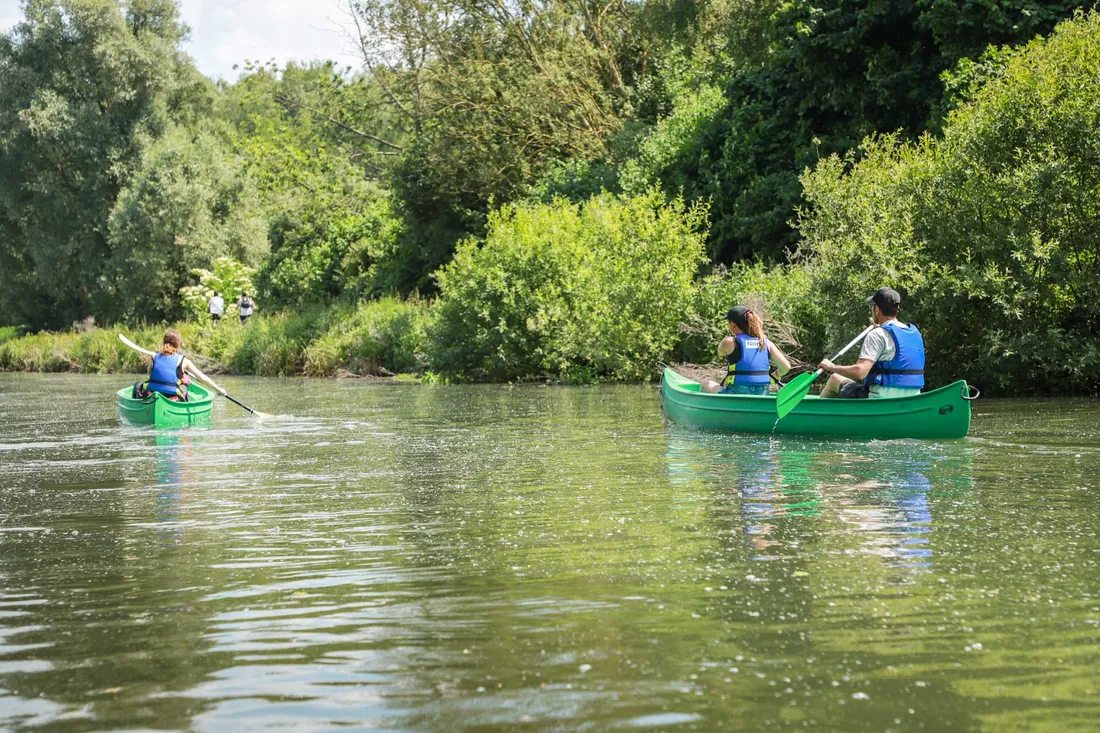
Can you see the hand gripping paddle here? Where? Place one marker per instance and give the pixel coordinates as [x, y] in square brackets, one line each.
[799, 387]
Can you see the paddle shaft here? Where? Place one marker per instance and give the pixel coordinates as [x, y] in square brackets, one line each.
[238, 402]
[851, 343]
[135, 347]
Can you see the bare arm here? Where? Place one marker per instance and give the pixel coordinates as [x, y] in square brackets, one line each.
[190, 368]
[726, 347]
[778, 358]
[856, 372]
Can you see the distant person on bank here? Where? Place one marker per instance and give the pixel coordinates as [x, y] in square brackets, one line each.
[891, 361]
[749, 354]
[245, 305]
[216, 307]
[170, 375]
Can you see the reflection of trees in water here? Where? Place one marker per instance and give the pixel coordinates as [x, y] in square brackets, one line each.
[106, 607]
[544, 511]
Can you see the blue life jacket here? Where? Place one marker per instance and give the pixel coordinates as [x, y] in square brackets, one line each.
[166, 375]
[906, 369]
[752, 364]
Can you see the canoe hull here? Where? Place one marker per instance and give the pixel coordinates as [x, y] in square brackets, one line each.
[162, 412]
[940, 414]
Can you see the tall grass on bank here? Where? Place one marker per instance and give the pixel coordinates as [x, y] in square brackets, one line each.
[370, 338]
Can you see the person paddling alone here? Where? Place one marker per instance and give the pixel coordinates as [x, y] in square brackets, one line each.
[891, 361]
[169, 375]
[748, 353]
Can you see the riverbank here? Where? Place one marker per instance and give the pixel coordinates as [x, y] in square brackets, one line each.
[376, 338]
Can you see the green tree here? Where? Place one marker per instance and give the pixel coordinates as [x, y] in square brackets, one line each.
[492, 95]
[87, 86]
[186, 203]
[302, 134]
[837, 71]
[576, 291]
[992, 229]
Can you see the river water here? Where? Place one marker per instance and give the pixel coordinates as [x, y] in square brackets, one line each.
[401, 557]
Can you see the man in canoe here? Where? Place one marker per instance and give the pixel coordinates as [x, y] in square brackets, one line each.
[170, 373]
[749, 354]
[891, 361]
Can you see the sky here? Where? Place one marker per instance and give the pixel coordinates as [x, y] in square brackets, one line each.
[228, 32]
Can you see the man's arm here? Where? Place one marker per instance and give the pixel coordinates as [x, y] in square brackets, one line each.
[856, 372]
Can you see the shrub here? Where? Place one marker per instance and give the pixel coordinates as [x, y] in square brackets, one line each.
[780, 295]
[992, 230]
[575, 291]
[226, 276]
[375, 335]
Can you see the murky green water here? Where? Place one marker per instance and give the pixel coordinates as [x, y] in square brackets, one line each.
[493, 558]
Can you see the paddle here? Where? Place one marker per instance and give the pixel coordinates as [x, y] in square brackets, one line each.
[135, 347]
[799, 387]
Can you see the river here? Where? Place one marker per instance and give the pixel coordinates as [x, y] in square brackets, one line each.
[482, 558]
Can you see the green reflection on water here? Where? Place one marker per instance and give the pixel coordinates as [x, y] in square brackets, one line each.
[482, 558]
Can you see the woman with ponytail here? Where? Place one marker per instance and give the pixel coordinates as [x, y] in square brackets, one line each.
[749, 353]
[171, 372]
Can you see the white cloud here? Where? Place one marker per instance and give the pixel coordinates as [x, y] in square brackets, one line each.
[228, 32]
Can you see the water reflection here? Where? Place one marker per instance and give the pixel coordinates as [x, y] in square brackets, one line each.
[882, 495]
[171, 460]
[486, 558]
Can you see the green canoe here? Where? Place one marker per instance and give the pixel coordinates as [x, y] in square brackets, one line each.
[939, 414]
[162, 412]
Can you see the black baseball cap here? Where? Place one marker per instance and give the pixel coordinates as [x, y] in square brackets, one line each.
[738, 314]
[885, 298]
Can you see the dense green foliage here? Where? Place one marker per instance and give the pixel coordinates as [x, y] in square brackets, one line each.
[70, 145]
[839, 70]
[993, 228]
[377, 336]
[532, 190]
[569, 291]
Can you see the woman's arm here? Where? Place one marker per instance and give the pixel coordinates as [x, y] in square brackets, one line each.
[778, 358]
[190, 368]
[725, 348]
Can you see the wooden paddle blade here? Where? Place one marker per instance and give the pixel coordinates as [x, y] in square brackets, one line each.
[793, 393]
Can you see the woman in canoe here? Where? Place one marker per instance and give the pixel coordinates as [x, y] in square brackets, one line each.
[171, 372]
[749, 354]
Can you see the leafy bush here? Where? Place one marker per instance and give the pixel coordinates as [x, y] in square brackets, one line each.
[226, 276]
[992, 230]
[780, 295]
[8, 333]
[566, 290]
[375, 335]
[322, 252]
